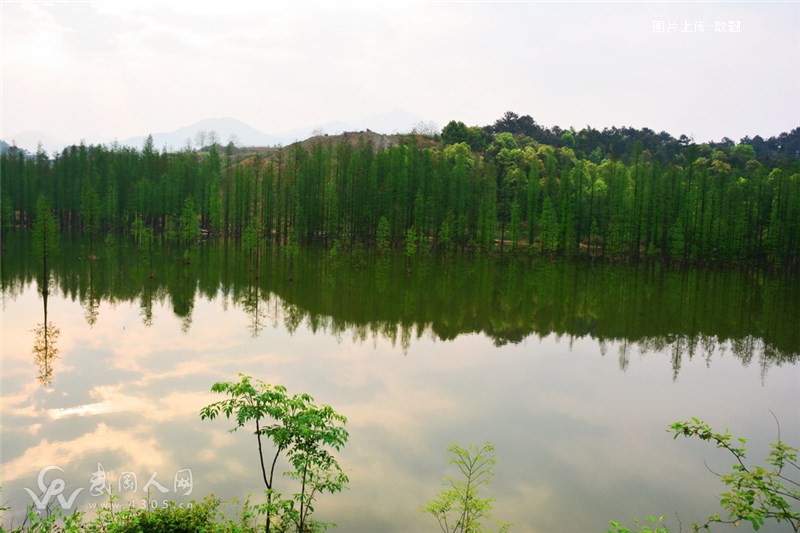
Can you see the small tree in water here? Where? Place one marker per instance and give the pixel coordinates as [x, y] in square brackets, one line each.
[298, 428]
[458, 507]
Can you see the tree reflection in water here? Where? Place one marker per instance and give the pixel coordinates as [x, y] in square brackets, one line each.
[45, 349]
[646, 308]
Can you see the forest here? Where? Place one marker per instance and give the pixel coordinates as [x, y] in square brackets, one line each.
[510, 187]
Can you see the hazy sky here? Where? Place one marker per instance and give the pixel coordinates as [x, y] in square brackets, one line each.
[106, 69]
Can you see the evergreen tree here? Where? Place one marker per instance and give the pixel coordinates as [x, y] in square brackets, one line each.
[45, 236]
[549, 227]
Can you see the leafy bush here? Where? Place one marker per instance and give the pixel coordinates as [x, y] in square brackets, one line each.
[203, 516]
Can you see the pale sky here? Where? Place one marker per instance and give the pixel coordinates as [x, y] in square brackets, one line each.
[101, 70]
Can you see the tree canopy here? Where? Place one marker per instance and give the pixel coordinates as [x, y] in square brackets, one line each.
[622, 193]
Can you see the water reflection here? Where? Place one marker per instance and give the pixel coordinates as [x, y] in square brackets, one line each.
[255, 305]
[45, 344]
[146, 304]
[506, 351]
[646, 308]
[89, 300]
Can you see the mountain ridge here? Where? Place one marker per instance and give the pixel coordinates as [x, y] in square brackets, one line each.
[395, 120]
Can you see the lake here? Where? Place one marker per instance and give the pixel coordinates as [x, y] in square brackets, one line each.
[573, 370]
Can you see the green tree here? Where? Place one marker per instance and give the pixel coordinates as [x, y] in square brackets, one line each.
[487, 208]
[516, 230]
[568, 139]
[411, 246]
[533, 198]
[299, 429]
[382, 235]
[455, 132]
[445, 235]
[189, 229]
[756, 493]
[549, 227]
[45, 236]
[459, 507]
[478, 138]
[190, 226]
[251, 246]
[90, 211]
[718, 202]
[677, 242]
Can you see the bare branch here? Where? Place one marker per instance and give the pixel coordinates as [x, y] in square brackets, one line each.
[709, 468]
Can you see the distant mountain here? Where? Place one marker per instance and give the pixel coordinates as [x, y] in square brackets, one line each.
[225, 129]
[30, 140]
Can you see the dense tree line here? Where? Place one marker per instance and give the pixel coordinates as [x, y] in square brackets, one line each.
[621, 143]
[706, 204]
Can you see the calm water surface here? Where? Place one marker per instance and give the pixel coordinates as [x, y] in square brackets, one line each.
[573, 371]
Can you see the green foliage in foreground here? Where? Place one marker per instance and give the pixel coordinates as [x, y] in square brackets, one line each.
[756, 494]
[616, 527]
[206, 516]
[299, 429]
[458, 507]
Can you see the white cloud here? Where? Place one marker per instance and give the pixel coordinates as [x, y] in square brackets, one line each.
[116, 69]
